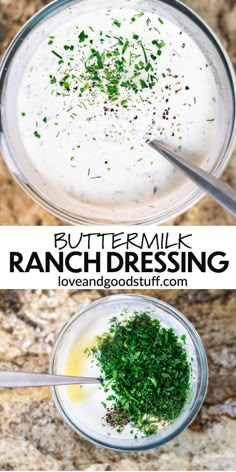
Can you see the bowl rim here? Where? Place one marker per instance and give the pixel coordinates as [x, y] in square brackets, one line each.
[198, 345]
[165, 215]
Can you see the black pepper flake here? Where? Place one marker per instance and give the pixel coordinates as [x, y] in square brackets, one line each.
[116, 418]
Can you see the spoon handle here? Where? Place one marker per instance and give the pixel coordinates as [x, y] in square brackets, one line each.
[27, 379]
[221, 192]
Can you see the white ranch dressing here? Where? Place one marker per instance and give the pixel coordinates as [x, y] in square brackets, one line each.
[101, 157]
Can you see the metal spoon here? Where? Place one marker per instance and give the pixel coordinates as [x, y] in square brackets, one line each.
[221, 192]
[27, 379]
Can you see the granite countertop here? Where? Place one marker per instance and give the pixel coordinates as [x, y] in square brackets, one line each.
[34, 437]
[16, 208]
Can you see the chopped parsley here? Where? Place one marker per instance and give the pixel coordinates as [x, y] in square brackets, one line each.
[53, 80]
[117, 23]
[124, 103]
[56, 54]
[145, 371]
[69, 48]
[115, 66]
[82, 36]
[50, 40]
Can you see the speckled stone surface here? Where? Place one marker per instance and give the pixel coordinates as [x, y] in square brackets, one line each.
[16, 208]
[34, 437]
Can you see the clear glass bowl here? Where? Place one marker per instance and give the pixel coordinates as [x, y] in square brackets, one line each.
[85, 322]
[64, 205]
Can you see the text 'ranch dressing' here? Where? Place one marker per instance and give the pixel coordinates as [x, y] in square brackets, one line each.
[87, 135]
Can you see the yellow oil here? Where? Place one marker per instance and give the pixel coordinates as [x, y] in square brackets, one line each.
[75, 365]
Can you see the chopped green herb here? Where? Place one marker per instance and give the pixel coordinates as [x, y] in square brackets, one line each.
[50, 41]
[37, 135]
[65, 84]
[23, 113]
[124, 103]
[53, 79]
[82, 36]
[110, 70]
[159, 44]
[84, 88]
[143, 84]
[133, 19]
[125, 47]
[69, 48]
[161, 21]
[117, 23]
[146, 368]
[148, 67]
[144, 52]
[45, 119]
[98, 56]
[56, 54]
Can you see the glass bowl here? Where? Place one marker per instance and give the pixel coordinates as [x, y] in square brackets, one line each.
[85, 323]
[63, 204]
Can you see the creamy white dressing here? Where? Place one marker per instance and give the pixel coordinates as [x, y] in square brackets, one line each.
[96, 152]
